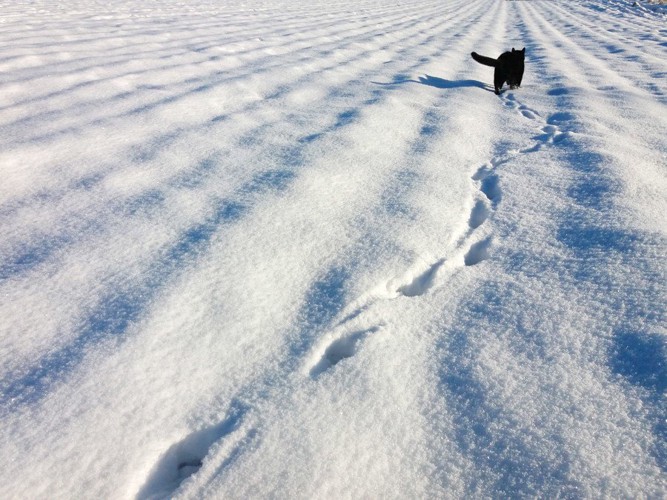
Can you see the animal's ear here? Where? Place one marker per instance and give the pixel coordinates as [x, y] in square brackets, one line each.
[523, 50]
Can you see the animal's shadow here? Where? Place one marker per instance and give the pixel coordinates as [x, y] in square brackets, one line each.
[440, 83]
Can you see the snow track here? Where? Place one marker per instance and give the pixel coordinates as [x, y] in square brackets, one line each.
[301, 249]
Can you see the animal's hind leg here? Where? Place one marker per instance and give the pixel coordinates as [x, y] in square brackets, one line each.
[498, 81]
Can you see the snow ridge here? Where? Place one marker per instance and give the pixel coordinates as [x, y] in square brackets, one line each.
[301, 249]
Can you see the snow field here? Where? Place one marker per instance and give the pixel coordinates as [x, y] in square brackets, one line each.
[277, 249]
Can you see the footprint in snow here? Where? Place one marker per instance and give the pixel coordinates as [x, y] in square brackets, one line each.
[483, 171]
[561, 137]
[528, 112]
[339, 349]
[420, 284]
[478, 215]
[478, 252]
[490, 186]
[551, 134]
[186, 457]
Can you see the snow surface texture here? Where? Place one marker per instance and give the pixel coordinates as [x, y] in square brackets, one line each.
[299, 249]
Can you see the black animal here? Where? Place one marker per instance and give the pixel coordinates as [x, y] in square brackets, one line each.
[509, 67]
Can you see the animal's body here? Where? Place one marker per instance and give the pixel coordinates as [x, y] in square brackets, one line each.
[508, 67]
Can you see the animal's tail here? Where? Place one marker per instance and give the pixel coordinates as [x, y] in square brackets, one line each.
[486, 61]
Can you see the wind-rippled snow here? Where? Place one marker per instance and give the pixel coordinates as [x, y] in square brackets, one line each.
[301, 250]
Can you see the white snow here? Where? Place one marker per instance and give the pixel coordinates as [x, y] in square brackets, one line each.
[300, 249]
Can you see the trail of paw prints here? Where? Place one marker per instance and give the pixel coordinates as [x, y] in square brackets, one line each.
[349, 335]
[474, 246]
[210, 450]
[512, 102]
[468, 250]
[216, 447]
[554, 129]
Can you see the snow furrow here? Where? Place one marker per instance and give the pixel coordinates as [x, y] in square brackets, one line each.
[301, 249]
[633, 62]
